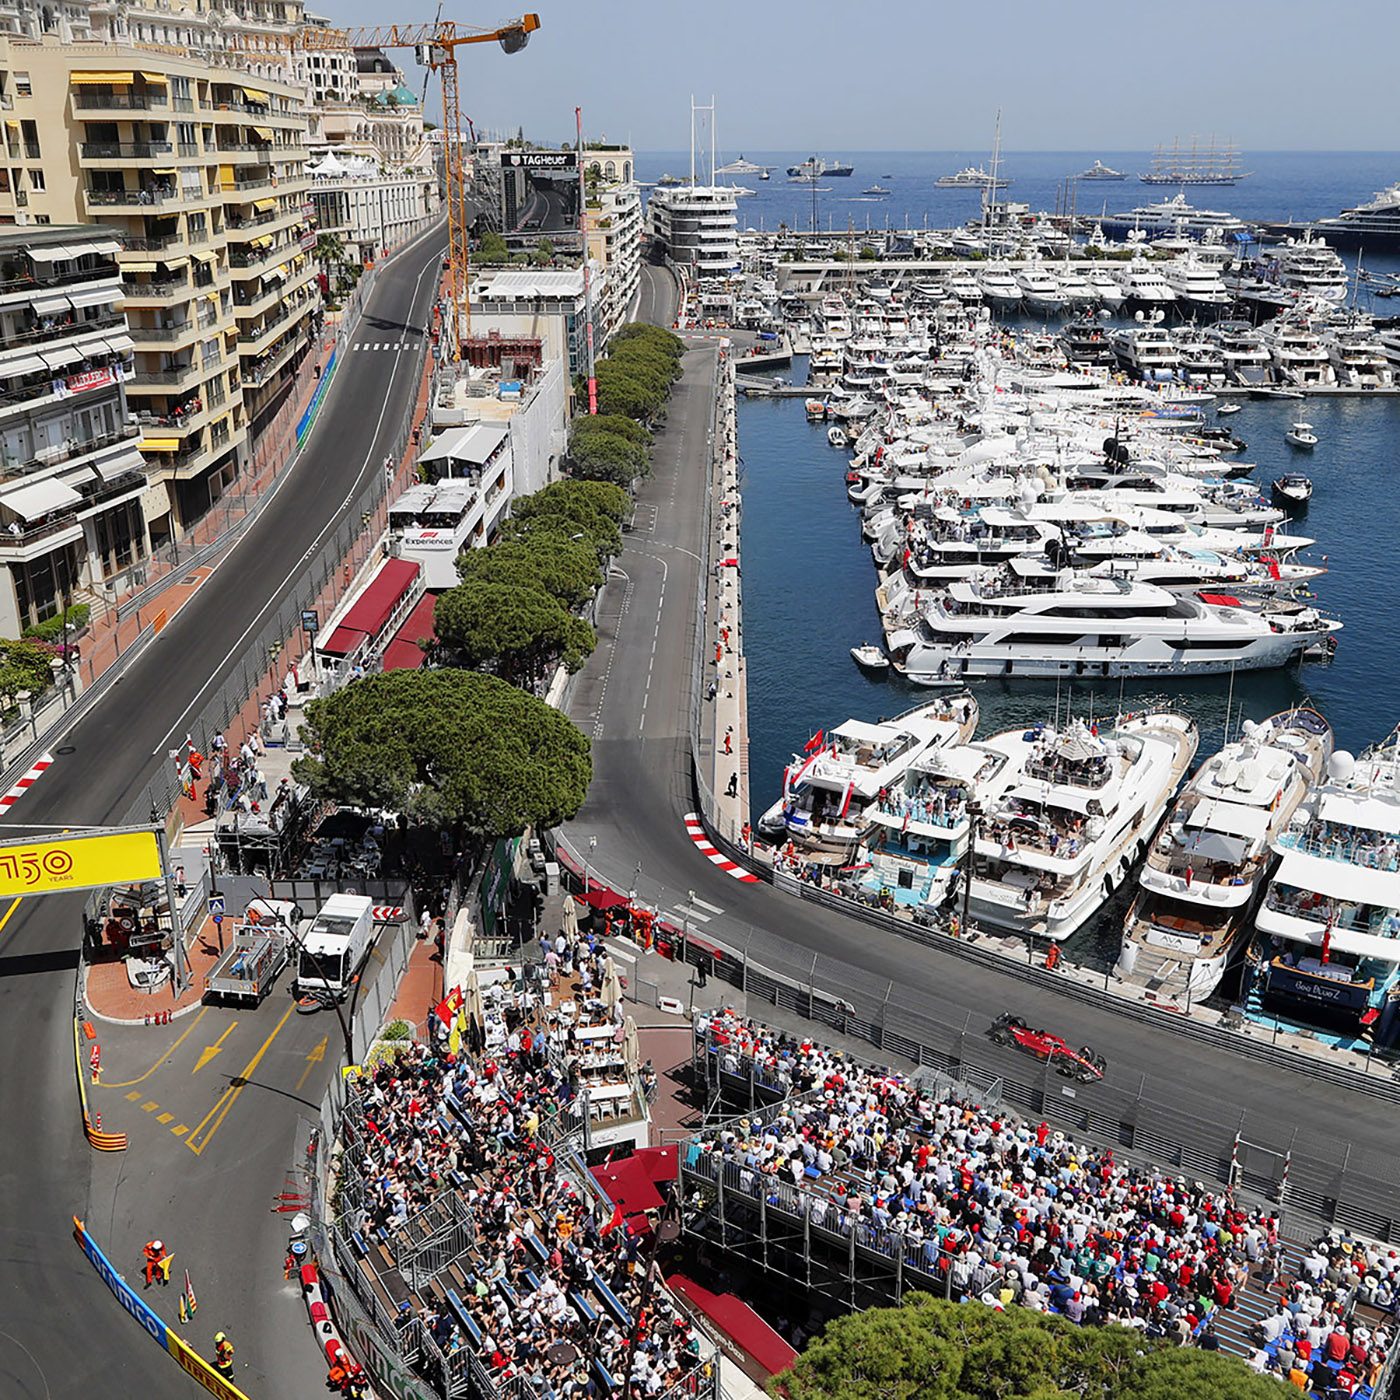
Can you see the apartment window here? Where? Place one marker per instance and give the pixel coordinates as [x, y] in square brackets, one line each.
[23, 88]
[42, 219]
[36, 179]
[31, 139]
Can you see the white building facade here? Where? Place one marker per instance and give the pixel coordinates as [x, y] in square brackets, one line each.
[698, 227]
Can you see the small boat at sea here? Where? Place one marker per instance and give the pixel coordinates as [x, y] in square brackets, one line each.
[1099, 171]
[1293, 489]
[1274, 391]
[869, 657]
[836, 436]
[1301, 435]
[1225, 409]
[877, 190]
[816, 410]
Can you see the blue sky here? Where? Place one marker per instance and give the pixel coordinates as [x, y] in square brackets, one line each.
[930, 75]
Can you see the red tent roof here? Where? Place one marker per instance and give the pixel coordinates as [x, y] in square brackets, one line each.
[404, 653]
[602, 898]
[1220, 600]
[369, 613]
[749, 1332]
[631, 1183]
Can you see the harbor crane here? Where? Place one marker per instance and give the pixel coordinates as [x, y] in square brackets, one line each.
[435, 45]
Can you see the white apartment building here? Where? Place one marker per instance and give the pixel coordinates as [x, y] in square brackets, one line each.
[615, 233]
[368, 208]
[697, 225]
[154, 127]
[72, 478]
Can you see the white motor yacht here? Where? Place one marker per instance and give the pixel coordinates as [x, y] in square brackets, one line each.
[1310, 266]
[828, 791]
[963, 285]
[1330, 921]
[1107, 289]
[1145, 288]
[1147, 352]
[1206, 867]
[1041, 292]
[1063, 820]
[1078, 293]
[1300, 358]
[1000, 289]
[1200, 294]
[1014, 622]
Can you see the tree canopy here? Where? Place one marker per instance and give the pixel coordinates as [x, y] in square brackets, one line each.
[571, 512]
[563, 569]
[491, 248]
[929, 1349]
[447, 747]
[596, 455]
[517, 631]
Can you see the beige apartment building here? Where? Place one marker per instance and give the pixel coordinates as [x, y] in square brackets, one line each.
[200, 164]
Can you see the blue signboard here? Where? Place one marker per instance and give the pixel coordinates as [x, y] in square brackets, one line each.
[121, 1289]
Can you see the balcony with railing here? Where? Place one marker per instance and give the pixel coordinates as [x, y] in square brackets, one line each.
[124, 150]
[134, 199]
[62, 454]
[15, 277]
[169, 289]
[51, 328]
[91, 99]
[164, 380]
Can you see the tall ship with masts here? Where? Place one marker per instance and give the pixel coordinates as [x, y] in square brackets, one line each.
[1198, 163]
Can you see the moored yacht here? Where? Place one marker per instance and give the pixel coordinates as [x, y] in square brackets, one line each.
[1145, 289]
[1330, 922]
[1206, 866]
[827, 793]
[1014, 622]
[1000, 289]
[1067, 815]
[1200, 294]
[1040, 291]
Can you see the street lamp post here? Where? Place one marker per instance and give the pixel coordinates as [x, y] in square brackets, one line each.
[973, 813]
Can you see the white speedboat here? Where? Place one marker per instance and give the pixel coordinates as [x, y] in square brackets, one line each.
[1224, 410]
[1207, 864]
[1302, 435]
[1293, 489]
[869, 657]
[836, 436]
[828, 789]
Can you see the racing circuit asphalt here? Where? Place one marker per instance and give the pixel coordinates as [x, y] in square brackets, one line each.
[61, 1332]
[1190, 1092]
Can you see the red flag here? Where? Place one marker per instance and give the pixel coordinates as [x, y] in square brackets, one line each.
[1327, 943]
[815, 742]
[613, 1223]
[447, 1009]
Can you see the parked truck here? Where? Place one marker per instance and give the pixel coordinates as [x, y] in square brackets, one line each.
[256, 950]
[334, 947]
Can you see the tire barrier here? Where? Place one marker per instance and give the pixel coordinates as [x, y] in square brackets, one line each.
[92, 1122]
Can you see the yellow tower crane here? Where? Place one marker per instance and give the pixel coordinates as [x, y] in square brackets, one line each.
[435, 45]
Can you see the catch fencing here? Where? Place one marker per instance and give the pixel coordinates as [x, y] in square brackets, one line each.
[1329, 1181]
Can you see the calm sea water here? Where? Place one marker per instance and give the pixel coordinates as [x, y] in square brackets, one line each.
[1281, 185]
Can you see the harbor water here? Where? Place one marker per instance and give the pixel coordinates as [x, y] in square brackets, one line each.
[809, 596]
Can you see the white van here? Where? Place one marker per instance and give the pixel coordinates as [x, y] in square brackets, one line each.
[334, 948]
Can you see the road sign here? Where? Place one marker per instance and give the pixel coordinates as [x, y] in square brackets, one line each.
[81, 861]
[216, 904]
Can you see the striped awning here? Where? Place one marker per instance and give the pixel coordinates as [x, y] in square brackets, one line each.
[94, 79]
[263, 205]
[175, 264]
[255, 95]
[160, 444]
[158, 78]
[144, 265]
[263, 133]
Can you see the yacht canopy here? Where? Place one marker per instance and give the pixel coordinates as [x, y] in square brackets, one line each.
[1213, 846]
[1230, 817]
[1373, 813]
[861, 733]
[1336, 879]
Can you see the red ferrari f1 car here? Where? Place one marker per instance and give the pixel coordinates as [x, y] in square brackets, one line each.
[1082, 1064]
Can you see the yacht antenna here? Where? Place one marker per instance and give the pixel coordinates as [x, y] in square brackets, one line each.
[1057, 702]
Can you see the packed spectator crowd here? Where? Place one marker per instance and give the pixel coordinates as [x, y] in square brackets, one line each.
[1012, 1212]
[556, 1299]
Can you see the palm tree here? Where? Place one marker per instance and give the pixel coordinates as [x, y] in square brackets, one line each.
[330, 253]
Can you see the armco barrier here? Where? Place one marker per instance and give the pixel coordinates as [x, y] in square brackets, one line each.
[184, 1355]
[314, 407]
[102, 1141]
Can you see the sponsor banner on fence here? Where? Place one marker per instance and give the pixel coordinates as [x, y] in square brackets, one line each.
[392, 1378]
[195, 1365]
[122, 1291]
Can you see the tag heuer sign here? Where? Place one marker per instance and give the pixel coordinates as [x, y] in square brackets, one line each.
[541, 160]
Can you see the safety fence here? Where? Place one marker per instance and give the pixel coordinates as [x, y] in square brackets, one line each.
[220, 529]
[1329, 1181]
[263, 663]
